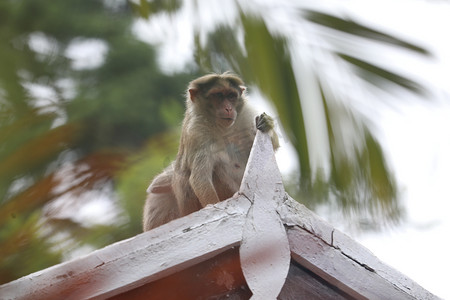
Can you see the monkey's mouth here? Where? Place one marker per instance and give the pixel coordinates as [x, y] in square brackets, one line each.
[227, 122]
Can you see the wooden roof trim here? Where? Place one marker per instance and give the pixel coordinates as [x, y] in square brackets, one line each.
[357, 280]
[264, 253]
[184, 242]
[144, 258]
[342, 261]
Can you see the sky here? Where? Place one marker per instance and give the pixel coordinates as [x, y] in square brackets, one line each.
[416, 137]
[415, 134]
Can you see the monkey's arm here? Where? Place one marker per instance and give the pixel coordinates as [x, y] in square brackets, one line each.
[201, 180]
[265, 123]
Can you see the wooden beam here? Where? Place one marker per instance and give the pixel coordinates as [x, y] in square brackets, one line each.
[342, 261]
[144, 258]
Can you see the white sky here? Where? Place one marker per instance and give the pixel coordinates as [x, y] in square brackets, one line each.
[415, 135]
[417, 139]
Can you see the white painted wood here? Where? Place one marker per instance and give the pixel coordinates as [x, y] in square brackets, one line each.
[264, 252]
[147, 257]
[364, 257]
[340, 270]
[343, 262]
[182, 243]
[261, 173]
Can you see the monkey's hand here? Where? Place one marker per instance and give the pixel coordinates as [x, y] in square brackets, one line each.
[264, 122]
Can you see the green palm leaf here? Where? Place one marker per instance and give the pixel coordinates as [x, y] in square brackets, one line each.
[359, 30]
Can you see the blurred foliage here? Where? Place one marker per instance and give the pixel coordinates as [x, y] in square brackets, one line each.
[358, 30]
[355, 178]
[67, 130]
[146, 8]
[133, 181]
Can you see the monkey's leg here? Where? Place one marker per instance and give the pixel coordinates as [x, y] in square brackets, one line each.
[159, 209]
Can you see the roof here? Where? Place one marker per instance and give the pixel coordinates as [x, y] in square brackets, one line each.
[259, 242]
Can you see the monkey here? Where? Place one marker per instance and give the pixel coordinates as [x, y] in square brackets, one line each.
[217, 134]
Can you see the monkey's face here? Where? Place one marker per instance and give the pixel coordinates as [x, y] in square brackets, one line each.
[220, 104]
[225, 103]
[218, 100]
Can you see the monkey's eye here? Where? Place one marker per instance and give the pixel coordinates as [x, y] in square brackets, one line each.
[220, 96]
[232, 96]
[216, 96]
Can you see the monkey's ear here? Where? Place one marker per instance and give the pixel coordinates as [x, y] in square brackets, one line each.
[193, 94]
[243, 88]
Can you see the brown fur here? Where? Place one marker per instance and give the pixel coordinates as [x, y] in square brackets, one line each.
[217, 135]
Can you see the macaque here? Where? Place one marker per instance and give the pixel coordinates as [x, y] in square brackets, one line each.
[216, 138]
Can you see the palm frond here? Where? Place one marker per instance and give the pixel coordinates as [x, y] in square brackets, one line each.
[380, 76]
[359, 30]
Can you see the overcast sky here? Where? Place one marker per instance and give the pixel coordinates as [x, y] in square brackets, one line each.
[417, 138]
